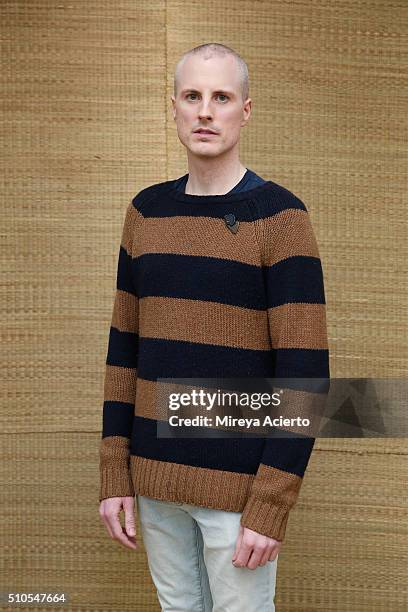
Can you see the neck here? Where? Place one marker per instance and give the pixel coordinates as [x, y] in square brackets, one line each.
[212, 176]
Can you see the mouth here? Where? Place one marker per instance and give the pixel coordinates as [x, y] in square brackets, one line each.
[204, 132]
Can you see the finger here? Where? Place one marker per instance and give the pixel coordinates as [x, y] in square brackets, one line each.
[108, 527]
[121, 536]
[265, 557]
[238, 543]
[130, 541]
[243, 554]
[118, 531]
[255, 558]
[128, 506]
[104, 519]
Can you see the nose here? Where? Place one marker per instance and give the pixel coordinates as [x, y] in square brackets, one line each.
[204, 109]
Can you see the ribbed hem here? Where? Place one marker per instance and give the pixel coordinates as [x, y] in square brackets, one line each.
[209, 488]
[188, 484]
[265, 518]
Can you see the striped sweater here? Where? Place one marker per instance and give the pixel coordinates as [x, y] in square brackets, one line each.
[197, 299]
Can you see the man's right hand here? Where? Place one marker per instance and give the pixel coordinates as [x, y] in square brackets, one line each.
[109, 511]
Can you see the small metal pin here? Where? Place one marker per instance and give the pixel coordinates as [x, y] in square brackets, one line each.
[231, 222]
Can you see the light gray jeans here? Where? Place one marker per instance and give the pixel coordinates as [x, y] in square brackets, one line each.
[189, 551]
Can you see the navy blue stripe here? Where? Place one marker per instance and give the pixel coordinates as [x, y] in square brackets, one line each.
[295, 279]
[244, 210]
[199, 278]
[231, 454]
[160, 358]
[301, 363]
[122, 348]
[289, 454]
[275, 200]
[117, 419]
[124, 280]
[170, 208]
[163, 199]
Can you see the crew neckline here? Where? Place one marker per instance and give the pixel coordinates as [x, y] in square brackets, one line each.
[236, 196]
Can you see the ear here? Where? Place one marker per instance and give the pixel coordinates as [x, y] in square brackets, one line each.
[247, 111]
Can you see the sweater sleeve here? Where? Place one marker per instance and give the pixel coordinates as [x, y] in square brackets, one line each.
[297, 326]
[120, 374]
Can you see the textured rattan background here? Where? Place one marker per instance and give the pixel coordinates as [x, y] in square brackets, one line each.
[86, 123]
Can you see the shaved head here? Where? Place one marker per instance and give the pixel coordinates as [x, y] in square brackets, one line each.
[209, 50]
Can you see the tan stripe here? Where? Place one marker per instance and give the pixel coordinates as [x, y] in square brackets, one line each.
[125, 311]
[146, 399]
[286, 234]
[199, 486]
[279, 236]
[133, 220]
[153, 401]
[273, 485]
[190, 236]
[120, 384]
[204, 322]
[298, 325]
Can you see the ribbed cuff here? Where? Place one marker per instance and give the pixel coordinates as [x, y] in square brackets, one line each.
[115, 475]
[115, 482]
[268, 519]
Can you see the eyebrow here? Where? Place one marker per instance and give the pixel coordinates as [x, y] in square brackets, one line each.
[191, 90]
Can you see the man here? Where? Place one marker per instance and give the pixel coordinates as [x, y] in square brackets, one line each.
[219, 275]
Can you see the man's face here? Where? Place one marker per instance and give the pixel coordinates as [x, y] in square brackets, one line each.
[209, 96]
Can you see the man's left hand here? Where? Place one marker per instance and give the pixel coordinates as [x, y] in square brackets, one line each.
[253, 549]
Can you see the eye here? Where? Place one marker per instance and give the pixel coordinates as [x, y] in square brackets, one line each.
[222, 95]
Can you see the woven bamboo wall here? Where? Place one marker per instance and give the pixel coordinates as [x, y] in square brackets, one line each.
[86, 123]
